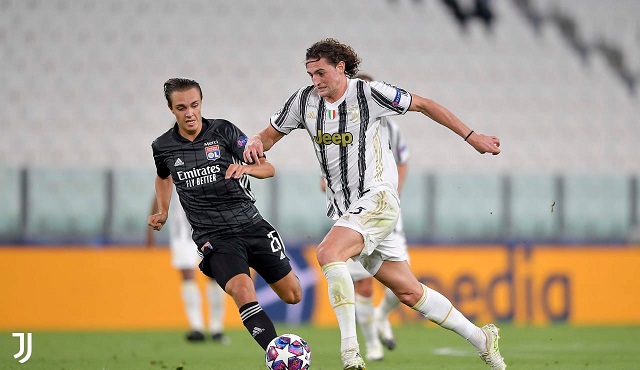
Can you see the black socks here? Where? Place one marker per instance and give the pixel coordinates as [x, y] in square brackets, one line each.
[258, 323]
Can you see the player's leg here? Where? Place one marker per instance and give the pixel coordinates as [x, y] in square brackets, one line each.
[287, 288]
[184, 257]
[363, 284]
[338, 245]
[216, 297]
[227, 264]
[368, 222]
[389, 301]
[381, 316]
[192, 301]
[268, 258]
[397, 276]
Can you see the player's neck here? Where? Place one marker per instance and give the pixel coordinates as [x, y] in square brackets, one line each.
[191, 136]
[340, 92]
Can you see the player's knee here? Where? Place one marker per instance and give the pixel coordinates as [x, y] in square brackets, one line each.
[293, 296]
[241, 289]
[408, 297]
[326, 254]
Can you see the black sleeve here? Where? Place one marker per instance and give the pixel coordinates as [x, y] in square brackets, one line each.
[236, 139]
[161, 165]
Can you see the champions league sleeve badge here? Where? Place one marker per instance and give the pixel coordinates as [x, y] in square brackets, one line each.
[212, 152]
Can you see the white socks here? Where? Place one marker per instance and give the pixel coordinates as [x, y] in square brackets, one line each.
[216, 297]
[192, 304]
[389, 302]
[192, 300]
[364, 316]
[342, 298]
[437, 308]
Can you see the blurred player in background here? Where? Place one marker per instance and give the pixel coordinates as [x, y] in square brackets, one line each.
[374, 321]
[185, 258]
[342, 114]
[203, 159]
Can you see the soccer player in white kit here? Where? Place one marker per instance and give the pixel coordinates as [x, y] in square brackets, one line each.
[185, 258]
[343, 117]
[374, 321]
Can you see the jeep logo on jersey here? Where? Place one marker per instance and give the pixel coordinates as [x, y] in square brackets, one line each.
[343, 139]
[213, 152]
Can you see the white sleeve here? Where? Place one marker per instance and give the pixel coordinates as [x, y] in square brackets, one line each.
[288, 118]
[389, 100]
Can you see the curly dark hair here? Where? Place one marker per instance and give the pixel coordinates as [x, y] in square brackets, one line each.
[335, 51]
[179, 84]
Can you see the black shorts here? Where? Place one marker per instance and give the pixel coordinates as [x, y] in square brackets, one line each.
[258, 247]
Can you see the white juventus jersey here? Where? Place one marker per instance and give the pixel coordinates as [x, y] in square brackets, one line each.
[352, 146]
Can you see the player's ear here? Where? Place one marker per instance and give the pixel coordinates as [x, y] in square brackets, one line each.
[340, 66]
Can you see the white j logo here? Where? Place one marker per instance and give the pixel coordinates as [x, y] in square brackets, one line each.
[21, 352]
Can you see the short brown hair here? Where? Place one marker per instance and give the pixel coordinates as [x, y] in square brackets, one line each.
[335, 52]
[179, 84]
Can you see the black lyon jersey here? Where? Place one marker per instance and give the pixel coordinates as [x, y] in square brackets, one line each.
[212, 203]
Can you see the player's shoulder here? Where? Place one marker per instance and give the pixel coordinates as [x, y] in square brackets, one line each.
[218, 126]
[382, 85]
[305, 92]
[214, 123]
[164, 140]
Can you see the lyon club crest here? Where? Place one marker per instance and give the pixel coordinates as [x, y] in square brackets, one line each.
[212, 152]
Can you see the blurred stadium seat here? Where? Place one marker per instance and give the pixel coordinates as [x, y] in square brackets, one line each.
[66, 204]
[416, 202]
[302, 207]
[533, 207]
[468, 207]
[10, 198]
[597, 207]
[83, 81]
[133, 193]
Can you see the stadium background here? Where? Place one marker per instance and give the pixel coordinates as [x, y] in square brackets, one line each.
[558, 209]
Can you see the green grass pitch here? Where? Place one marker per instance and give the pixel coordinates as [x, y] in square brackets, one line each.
[420, 346]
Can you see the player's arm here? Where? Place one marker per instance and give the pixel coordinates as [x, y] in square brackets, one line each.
[163, 199]
[260, 143]
[402, 174]
[150, 237]
[260, 170]
[482, 143]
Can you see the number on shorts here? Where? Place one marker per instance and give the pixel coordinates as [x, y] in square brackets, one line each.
[276, 244]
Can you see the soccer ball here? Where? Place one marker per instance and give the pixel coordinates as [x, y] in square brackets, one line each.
[288, 352]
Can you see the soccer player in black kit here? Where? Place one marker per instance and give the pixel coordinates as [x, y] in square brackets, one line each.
[203, 158]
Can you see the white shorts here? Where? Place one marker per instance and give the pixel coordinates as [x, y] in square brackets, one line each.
[375, 216]
[357, 271]
[184, 252]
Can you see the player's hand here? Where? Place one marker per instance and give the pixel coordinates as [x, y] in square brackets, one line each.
[485, 143]
[157, 220]
[235, 171]
[253, 150]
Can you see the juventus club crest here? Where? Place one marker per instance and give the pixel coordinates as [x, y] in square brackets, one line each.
[212, 152]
